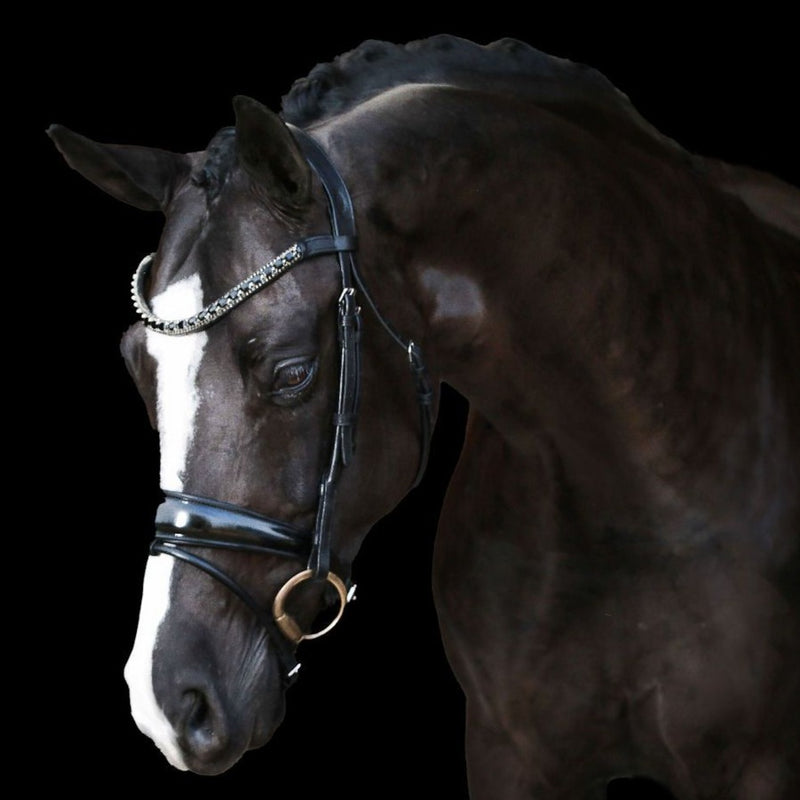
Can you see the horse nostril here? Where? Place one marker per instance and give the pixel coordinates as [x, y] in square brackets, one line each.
[198, 712]
[203, 726]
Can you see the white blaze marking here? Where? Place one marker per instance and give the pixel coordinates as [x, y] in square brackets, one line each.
[149, 718]
[178, 361]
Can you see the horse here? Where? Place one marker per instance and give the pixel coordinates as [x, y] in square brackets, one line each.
[616, 571]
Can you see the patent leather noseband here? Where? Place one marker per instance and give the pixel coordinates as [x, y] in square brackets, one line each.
[187, 521]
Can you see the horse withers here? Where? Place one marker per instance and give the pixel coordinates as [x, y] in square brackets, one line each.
[616, 570]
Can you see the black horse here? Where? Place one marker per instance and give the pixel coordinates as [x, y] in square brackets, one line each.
[617, 569]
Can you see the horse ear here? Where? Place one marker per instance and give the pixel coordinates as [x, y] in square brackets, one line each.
[144, 177]
[270, 155]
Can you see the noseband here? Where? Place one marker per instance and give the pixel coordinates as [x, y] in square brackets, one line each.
[187, 521]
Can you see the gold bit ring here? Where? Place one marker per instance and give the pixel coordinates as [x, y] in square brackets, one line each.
[287, 624]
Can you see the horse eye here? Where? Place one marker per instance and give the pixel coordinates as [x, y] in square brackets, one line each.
[293, 377]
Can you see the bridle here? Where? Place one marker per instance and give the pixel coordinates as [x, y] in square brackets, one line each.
[187, 521]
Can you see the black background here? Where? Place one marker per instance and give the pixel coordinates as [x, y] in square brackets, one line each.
[376, 711]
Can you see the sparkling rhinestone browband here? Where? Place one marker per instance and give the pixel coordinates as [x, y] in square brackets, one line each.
[263, 276]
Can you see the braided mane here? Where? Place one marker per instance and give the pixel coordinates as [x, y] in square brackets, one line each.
[573, 90]
[504, 65]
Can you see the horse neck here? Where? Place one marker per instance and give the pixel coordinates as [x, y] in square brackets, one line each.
[592, 288]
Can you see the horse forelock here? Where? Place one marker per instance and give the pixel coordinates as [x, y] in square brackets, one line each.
[220, 158]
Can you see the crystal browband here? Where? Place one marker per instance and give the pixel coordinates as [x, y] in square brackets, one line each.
[263, 276]
[270, 272]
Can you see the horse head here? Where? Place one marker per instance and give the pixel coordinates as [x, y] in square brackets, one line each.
[253, 386]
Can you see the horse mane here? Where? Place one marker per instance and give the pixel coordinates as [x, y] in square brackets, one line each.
[376, 66]
[573, 89]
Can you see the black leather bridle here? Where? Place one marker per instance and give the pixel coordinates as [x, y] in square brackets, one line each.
[187, 521]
